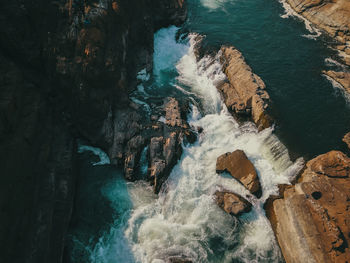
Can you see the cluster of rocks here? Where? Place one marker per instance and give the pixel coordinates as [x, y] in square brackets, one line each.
[66, 69]
[241, 168]
[163, 137]
[244, 93]
[312, 218]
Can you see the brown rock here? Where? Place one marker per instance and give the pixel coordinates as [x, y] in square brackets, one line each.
[239, 166]
[172, 113]
[343, 78]
[245, 93]
[232, 204]
[312, 221]
[346, 139]
[331, 16]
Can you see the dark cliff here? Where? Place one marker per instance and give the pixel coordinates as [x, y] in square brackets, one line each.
[66, 69]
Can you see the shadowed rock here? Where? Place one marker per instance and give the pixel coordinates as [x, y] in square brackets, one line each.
[231, 203]
[346, 139]
[239, 166]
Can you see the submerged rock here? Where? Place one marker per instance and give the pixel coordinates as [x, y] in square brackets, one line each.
[244, 94]
[239, 166]
[312, 220]
[232, 203]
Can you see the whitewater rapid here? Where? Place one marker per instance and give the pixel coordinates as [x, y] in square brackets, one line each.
[184, 220]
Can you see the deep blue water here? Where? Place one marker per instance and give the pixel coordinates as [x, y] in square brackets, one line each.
[311, 116]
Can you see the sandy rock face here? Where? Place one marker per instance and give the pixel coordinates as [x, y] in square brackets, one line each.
[239, 166]
[231, 203]
[312, 221]
[244, 94]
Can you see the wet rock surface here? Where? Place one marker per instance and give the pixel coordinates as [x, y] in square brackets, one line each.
[312, 220]
[240, 168]
[232, 203]
[244, 93]
[346, 139]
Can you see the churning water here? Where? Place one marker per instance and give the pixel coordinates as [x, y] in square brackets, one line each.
[184, 222]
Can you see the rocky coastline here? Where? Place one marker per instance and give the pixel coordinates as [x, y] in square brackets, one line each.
[66, 69]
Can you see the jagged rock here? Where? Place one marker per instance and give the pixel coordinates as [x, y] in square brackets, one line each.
[346, 139]
[239, 166]
[244, 94]
[172, 113]
[343, 78]
[312, 220]
[232, 203]
[66, 71]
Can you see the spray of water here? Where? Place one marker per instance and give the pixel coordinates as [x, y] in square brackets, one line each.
[184, 221]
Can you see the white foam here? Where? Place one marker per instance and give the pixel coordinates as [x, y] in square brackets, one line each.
[185, 217]
[104, 159]
[290, 12]
[185, 221]
[338, 88]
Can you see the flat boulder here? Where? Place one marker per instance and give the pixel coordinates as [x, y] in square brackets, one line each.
[232, 203]
[240, 168]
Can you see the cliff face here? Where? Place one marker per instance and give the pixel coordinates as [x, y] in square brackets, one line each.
[66, 70]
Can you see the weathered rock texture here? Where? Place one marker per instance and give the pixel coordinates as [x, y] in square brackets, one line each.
[66, 69]
[232, 204]
[343, 78]
[346, 139]
[312, 220]
[240, 168]
[333, 16]
[244, 94]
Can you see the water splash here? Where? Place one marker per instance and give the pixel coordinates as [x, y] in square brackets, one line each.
[104, 159]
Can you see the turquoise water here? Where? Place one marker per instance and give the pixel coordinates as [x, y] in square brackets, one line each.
[184, 222]
[311, 116]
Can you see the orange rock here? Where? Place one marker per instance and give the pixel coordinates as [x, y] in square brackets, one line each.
[239, 166]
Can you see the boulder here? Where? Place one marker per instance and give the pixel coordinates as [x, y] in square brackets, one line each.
[240, 168]
[232, 203]
[312, 220]
[244, 93]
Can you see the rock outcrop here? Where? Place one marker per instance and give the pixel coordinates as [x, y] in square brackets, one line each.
[240, 168]
[331, 16]
[343, 78]
[346, 139]
[66, 70]
[244, 94]
[232, 203]
[312, 220]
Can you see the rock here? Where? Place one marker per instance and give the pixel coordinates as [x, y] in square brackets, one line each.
[244, 94]
[66, 71]
[346, 139]
[343, 78]
[239, 166]
[232, 203]
[312, 220]
[172, 112]
[331, 16]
